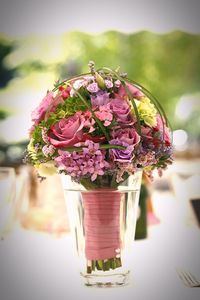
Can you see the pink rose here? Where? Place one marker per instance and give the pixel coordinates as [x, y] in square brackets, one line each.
[48, 103]
[40, 111]
[133, 90]
[121, 110]
[66, 132]
[159, 127]
[127, 135]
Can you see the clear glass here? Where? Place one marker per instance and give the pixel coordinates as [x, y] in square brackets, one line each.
[103, 222]
[7, 200]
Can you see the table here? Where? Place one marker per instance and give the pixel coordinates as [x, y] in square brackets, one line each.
[38, 266]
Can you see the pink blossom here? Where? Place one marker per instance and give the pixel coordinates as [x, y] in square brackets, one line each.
[65, 92]
[108, 83]
[93, 87]
[125, 167]
[88, 121]
[117, 83]
[48, 150]
[147, 159]
[66, 132]
[91, 148]
[104, 114]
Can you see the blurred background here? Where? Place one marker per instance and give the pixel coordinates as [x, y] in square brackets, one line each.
[157, 45]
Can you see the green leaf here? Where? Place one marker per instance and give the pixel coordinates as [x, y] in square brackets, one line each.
[37, 134]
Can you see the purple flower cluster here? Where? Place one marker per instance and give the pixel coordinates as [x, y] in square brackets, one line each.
[89, 163]
[101, 98]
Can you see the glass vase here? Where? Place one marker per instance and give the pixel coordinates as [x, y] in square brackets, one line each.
[103, 222]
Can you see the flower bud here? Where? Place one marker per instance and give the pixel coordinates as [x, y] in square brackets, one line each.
[100, 81]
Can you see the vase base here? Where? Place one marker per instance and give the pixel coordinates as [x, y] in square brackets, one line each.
[106, 281]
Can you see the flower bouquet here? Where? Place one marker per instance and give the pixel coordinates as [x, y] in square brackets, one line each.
[99, 129]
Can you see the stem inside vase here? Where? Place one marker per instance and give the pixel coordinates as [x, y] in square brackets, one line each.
[102, 229]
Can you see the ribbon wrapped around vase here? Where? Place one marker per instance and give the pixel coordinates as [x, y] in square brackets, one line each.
[101, 224]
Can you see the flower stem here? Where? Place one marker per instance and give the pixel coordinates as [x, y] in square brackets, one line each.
[104, 146]
[93, 114]
[103, 265]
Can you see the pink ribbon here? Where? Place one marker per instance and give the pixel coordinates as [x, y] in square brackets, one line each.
[101, 224]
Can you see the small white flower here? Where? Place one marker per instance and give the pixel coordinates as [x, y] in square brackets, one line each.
[89, 78]
[117, 250]
[76, 85]
[93, 87]
[117, 83]
[108, 84]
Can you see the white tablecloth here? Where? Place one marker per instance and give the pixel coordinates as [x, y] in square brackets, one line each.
[37, 266]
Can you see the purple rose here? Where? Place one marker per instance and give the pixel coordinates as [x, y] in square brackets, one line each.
[66, 132]
[121, 155]
[101, 98]
[127, 135]
[121, 110]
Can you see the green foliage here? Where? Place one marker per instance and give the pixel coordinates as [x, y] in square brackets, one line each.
[72, 105]
[37, 133]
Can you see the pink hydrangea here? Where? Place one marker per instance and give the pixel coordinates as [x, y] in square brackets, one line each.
[90, 162]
